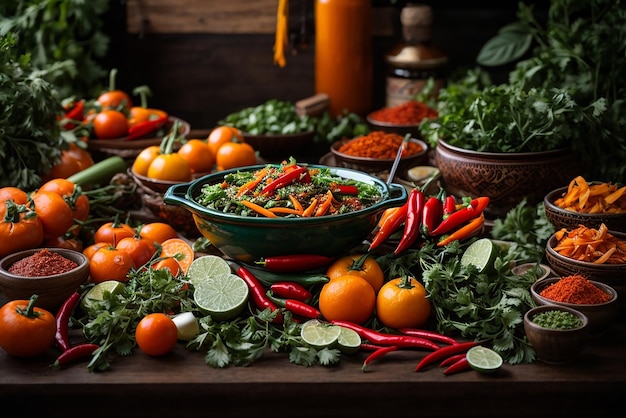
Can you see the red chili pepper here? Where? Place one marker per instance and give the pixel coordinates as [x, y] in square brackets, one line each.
[258, 293]
[344, 189]
[295, 263]
[461, 216]
[429, 335]
[371, 347]
[75, 113]
[296, 307]
[459, 366]
[389, 226]
[413, 220]
[291, 290]
[452, 359]
[63, 320]
[377, 337]
[445, 352]
[449, 205]
[465, 231]
[144, 128]
[75, 353]
[378, 353]
[285, 179]
[432, 214]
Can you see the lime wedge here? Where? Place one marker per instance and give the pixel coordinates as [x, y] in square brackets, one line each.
[96, 294]
[187, 325]
[207, 267]
[483, 359]
[481, 253]
[318, 334]
[223, 297]
[349, 341]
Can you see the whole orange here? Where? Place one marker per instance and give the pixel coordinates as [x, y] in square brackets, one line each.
[347, 298]
[222, 135]
[235, 154]
[362, 265]
[402, 303]
[198, 155]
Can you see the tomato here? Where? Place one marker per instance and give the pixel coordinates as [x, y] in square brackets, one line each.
[140, 249]
[53, 211]
[169, 167]
[91, 249]
[402, 303]
[68, 241]
[169, 263]
[235, 154]
[114, 99]
[361, 265]
[26, 330]
[144, 159]
[158, 231]
[110, 263]
[73, 160]
[110, 124]
[156, 334]
[20, 229]
[198, 155]
[15, 194]
[73, 195]
[222, 135]
[113, 232]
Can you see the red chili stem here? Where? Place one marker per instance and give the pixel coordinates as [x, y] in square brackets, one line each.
[63, 321]
[376, 337]
[430, 335]
[75, 353]
[258, 293]
[451, 360]
[445, 352]
[295, 262]
[458, 366]
[284, 180]
[291, 290]
[413, 220]
[378, 353]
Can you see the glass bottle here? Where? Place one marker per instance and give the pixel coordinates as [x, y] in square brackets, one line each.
[415, 59]
[343, 55]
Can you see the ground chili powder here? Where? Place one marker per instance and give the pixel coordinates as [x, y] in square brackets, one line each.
[409, 113]
[575, 289]
[378, 144]
[42, 263]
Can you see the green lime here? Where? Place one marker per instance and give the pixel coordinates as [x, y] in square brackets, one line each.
[318, 334]
[97, 292]
[223, 297]
[481, 253]
[349, 341]
[483, 359]
[207, 267]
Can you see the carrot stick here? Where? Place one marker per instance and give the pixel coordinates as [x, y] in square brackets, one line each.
[258, 209]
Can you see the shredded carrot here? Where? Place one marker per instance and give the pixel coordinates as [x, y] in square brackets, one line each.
[409, 113]
[584, 197]
[258, 209]
[282, 35]
[326, 204]
[282, 209]
[378, 144]
[597, 246]
[245, 188]
[296, 204]
[310, 209]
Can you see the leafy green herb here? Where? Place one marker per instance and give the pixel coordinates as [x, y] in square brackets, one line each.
[557, 320]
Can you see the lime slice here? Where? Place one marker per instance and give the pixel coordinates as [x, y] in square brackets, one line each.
[207, 267]
[97, 292]
[223, 297]
[318, 334]
[186, 325]
[349, 341]
[483, 359]
[481, 253]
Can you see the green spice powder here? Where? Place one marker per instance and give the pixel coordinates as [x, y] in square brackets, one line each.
[557, 320]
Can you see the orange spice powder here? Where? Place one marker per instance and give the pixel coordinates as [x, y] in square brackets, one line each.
[378, 144]
[409, 113]
[575, 289]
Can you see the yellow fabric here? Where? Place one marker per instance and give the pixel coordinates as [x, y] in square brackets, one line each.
[282, 33]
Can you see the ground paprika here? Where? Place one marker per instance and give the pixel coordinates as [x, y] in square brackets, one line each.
[575, 289]
[42, 263]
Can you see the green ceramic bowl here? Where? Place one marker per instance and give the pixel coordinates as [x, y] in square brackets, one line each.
[249, 239]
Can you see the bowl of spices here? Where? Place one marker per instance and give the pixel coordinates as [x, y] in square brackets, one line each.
[558, 334]
[402, 119]
[51, 273]
[596, 300]
[376, 151]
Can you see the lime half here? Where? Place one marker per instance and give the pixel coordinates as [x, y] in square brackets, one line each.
[349, 341]
[207, 267]
[319, 334]
[96, 294]
[481, 253]
[223, 297]
[483, 359]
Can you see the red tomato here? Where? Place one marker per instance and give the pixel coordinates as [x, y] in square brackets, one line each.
[55, 214]
[73, 160]
[156, 334]
[115, 99]
[26, 332]
[113, 232]
[73, 195]
[110, 124]
[20, 229]
[140, 249]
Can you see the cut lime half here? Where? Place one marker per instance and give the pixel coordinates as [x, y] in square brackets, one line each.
[223, 297]
[481, 253]
[318, 334]
[207, 267]
[483, 359]
[349, 341]
[96, 293]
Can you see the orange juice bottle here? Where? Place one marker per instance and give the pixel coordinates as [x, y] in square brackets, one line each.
[343, 54]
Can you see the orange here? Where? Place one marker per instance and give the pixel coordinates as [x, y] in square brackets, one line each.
[362, 265]
[158, 231]
[347, 298]
[235, 154]
[198, 155]
[221, 135]
[402, 303]
[180, 250]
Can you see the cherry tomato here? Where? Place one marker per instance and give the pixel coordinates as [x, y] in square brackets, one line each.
[140, 249]
[156, 334]
[73, 195]
[26, 330]
[20, 229]
[198, 155]
[158, 231]
[369, 269]
[222, 135]
[110, 124]
[110, 263]
[235, 154]
[73, 160]
[144, 159]
[113, 232]
[169, 167]
[55, 214]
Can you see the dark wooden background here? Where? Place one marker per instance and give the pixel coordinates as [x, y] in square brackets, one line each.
[203, 75]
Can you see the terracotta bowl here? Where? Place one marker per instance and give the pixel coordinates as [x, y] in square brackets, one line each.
[556, 346]
[52, 290]
[506, 178]
[600, 315]
[562, 218]
[279, 147]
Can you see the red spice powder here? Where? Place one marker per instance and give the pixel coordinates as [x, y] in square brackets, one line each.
[575, 289]
[378, 144]
[42, 263]
[409, 113]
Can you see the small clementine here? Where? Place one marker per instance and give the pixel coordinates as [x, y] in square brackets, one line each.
[347, 298]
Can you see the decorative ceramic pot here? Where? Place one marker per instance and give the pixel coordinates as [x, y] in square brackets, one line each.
[506, 178]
